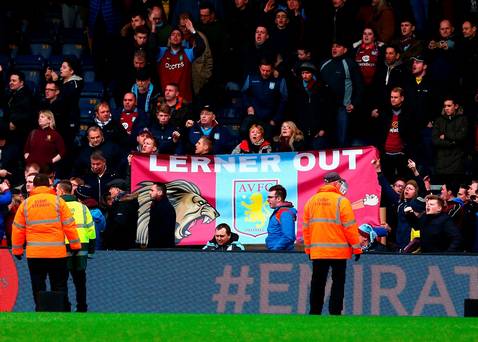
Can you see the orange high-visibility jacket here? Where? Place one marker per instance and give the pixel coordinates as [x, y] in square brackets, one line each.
[42, 221]
[329, 227]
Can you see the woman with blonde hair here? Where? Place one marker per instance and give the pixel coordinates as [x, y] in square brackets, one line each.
[44, 145]
[290, 139]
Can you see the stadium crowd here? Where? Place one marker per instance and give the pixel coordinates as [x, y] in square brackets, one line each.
[85, 85]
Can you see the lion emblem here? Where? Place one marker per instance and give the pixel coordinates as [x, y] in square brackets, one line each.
[255, 211]
[191, 208]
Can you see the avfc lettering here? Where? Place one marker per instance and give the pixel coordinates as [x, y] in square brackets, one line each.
[251, 210]
[174, 66]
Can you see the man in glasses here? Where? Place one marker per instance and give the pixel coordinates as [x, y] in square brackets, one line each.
[281, 228]
[53, 102]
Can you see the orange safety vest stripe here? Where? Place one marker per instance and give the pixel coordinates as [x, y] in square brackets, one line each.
[42, 221]
[330, 229]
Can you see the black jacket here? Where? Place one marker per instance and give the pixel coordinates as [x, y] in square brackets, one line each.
[450, 152]
[120, 232]
[438, 234]
[162, 224]
[232, 245]
[114, 132]
[164, 137]
[314, 108]
[70, 95]
[62, 120]
[20, 111]
[98, 184]
[421, 98]
[110, 151]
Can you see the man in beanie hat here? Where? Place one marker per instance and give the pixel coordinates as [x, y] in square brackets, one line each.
[146, 93]
[84, 194]
[313, 107]
[330, 238]
[368, 239]
[120, 233]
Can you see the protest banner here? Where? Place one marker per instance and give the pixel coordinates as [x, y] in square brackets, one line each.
[208, 190]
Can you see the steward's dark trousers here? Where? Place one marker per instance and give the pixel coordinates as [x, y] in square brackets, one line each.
[79, 279]
[54, 268]
[317, 286]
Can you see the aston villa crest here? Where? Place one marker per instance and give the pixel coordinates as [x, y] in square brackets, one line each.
[251, 210]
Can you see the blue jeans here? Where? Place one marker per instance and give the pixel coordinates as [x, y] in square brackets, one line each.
[342, 127]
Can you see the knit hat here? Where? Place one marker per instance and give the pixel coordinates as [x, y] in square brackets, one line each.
[117, 183]
[418, 204]
[307, 66]
[367, 231]
[83, 192]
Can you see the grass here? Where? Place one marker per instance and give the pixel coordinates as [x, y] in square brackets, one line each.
[186, 327]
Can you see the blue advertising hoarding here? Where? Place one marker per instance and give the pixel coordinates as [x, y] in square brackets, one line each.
[265, 282]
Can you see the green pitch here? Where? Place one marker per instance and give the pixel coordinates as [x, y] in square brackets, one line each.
[185, 327]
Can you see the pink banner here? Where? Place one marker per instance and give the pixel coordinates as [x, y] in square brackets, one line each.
[208, 190]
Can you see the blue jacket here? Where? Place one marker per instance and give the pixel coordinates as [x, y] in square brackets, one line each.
[219, 135]
[100, 225]
[99, 219]
[5, 199]
[267, 96]
[164, 137]
[281, 228]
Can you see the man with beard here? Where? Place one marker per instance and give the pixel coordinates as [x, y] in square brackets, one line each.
[162, 218]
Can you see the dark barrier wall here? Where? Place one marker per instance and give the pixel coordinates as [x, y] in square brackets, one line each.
[256, 282]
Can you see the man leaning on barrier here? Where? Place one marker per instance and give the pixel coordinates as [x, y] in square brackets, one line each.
[224, 240]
